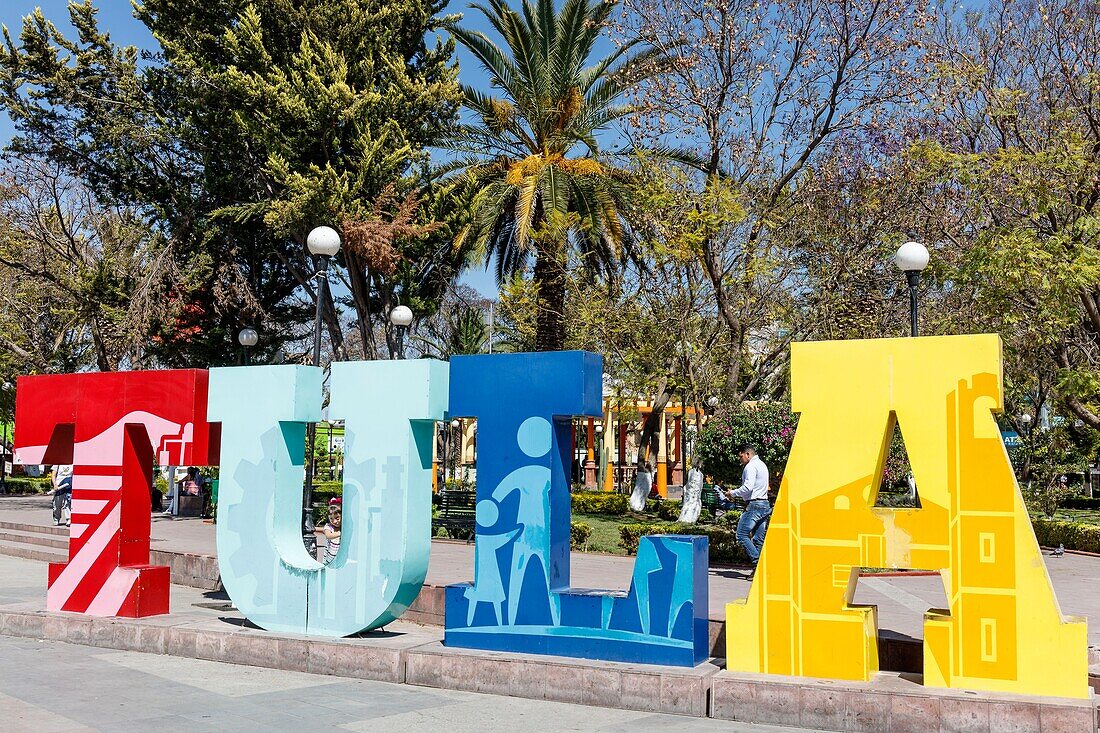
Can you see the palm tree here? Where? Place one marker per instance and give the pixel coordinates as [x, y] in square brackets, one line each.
[532, 153]
[469, 334]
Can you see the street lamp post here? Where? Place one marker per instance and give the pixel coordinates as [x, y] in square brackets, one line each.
[456, 445]
[912, 258]
[323, 242]
[247, 339]
[401, 317]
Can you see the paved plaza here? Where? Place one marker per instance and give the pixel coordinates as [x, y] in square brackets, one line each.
[901, 601]
[256, 680]
[63, 688]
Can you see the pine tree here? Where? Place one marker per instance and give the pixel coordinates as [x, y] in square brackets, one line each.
[254, 123]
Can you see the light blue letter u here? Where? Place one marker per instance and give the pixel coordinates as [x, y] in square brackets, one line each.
[389, 409]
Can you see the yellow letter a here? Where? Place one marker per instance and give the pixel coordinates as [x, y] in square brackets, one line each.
[1003, 630]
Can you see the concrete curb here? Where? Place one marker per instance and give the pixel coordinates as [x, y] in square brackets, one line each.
[891, 704]
[414, 655]
[645, 688]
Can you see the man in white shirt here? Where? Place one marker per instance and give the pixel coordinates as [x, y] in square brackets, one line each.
[753, 524]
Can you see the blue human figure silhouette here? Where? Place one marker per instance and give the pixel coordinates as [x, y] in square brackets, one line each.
[489, 585]
[532, 484]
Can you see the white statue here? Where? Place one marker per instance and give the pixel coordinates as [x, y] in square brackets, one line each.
[693, 496]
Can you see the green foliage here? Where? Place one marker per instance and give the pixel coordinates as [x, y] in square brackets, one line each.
[1073, 535]
[517, 317]
[769, 426]
[27, 485]
[579, 534]
[1047, 455]
[460, 484]
[256, 122]
[322, 492]
[469, 333]
[1081, 502]
[1019, 183]
[598, 502]
[611, 504]
[722, 540]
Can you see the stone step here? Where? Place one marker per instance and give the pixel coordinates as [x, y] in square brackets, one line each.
[34, 538]
[35, 528]
[32, 552]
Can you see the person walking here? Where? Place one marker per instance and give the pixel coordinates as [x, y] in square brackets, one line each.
[753, 524]
[62, 494]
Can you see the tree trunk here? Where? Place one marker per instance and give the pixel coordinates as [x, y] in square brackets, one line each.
[550, 281]
[652, 421]
[1075, 405]
[103, 361]
[332, 324]
[360, 295]
[728, 313]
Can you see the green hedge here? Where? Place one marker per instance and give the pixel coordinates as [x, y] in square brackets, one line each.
[723, 542]
[599, 502]
[618, 505]
[1073, 535]
[579, 534]
[27, 485]
[1081, 502]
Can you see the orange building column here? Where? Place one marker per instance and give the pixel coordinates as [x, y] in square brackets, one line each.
[590, 462]
[609, 445]
[662, 457]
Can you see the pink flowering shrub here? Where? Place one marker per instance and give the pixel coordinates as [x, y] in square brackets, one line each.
[769, 426]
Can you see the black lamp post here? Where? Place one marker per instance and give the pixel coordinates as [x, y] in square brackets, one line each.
[455, 446]
[323, 242]
[401, 317]
[912, 258]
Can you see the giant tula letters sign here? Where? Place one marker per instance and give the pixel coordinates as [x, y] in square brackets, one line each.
[1002, 630]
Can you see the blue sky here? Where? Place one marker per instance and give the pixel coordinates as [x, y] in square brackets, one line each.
[116, 17]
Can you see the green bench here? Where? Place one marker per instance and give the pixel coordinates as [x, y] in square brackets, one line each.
[457, 511]
[710, 499]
